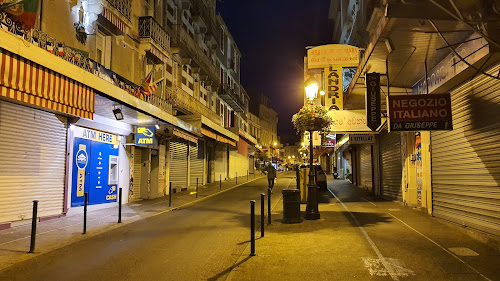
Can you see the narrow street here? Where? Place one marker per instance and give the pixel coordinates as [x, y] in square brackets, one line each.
[198, 242]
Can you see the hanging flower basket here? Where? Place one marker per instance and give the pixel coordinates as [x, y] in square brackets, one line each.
[312, 118]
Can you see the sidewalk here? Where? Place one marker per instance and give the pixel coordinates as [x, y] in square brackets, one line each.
[362, 239]
[57, 233]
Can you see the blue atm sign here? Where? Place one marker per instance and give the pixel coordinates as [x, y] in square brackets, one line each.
[145, 135]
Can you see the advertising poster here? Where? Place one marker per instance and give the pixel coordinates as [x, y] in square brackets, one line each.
[418, 166]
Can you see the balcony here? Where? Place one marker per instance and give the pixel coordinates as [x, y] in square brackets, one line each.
[229, 96]
[61, 50]
[152, 34]
[122, 6]
[182, 101]
[186, 46]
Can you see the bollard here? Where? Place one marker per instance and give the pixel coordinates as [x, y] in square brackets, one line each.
[268, 206]
[247, 175]
[170, 194]
[85, 212]
[220, 181]
[120, 205]
[262, 211]
[252, 227]
[236, 177]
[196, 187]
[33, 226]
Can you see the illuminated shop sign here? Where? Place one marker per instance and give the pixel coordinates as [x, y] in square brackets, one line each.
[420, 112]
[145, 135]
[373, 100]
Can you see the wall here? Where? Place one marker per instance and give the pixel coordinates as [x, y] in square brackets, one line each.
[239, 164]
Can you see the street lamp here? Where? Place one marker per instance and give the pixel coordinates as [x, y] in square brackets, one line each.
[312, 212]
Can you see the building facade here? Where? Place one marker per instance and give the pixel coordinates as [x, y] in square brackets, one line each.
[131, 95]
[446, 173]
[261, 107]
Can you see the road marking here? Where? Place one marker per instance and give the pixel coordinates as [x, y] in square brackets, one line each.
[443, 248]
[388, 266]
[464, 252]
[369, 201]
[376, 268]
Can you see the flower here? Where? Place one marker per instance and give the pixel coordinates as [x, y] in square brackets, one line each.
[312, 118]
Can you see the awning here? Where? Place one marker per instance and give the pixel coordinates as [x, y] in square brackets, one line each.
[26, 81]
[112, 18]
[186, 136]
[217, 137]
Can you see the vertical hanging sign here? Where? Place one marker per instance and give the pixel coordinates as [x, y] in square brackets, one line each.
[81, 162]
[373, 100]
[334, 92]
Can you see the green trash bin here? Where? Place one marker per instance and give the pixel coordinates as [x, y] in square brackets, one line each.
[291, 206]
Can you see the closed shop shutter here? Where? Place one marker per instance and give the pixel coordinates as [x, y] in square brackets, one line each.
[466, 160]
[32, 161]
[366, 166]
[196, 162]
[178, 164]
[390, 150]
[137, 173]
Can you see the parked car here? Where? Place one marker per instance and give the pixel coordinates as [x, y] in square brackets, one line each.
[320, 175]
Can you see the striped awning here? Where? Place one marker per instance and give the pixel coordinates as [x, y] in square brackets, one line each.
[26, 81]
[112, 18]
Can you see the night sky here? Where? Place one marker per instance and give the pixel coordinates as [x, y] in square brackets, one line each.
[272, 36]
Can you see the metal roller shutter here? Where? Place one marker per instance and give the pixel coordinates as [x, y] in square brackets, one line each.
[178, 164]
[137, 173]
[390, 152]
[196, 163]
[31, 168]
[366, 166]
[466, 160]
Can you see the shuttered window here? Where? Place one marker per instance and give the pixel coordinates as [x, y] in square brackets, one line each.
[390, 150]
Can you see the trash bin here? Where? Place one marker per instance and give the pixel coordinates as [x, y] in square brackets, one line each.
[291, 206]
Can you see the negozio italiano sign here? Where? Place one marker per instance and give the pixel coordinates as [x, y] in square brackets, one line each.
[420, 112]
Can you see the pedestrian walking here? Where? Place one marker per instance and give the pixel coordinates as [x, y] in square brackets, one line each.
[271, 175]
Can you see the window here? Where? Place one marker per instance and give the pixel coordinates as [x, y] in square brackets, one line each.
[103, 49]
[222, 39]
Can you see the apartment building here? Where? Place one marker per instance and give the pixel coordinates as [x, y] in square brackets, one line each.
[120, 94]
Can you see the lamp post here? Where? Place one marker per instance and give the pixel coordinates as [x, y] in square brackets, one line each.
[312, 212]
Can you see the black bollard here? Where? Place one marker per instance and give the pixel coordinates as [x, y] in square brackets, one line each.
[170, 194]
[196, 187]
[85, 212]
[33, 226]
[262, 213]
[268, 206]
[236, 177]
[252, 228]
[220, 181]
[119, 205]
[247, 175]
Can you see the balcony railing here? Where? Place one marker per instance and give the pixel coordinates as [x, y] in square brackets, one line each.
[229, 96]
[149, 28]
[123, 6]
[60, 49]
[187, 43]
[181, 99]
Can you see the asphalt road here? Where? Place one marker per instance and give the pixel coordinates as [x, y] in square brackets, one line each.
[199, 242]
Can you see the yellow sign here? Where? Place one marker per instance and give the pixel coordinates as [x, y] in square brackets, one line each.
[81, 162]
[334, 99]
[94, 135]
[333, 54]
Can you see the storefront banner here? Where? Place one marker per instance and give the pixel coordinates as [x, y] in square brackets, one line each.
[473, 50]
[334, 99]
[94, 135]
[145, 135]
[420, 112]
[373, 100]
[349, 121]
[333, 54]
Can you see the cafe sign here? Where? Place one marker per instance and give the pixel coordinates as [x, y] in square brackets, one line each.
[420, 112]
